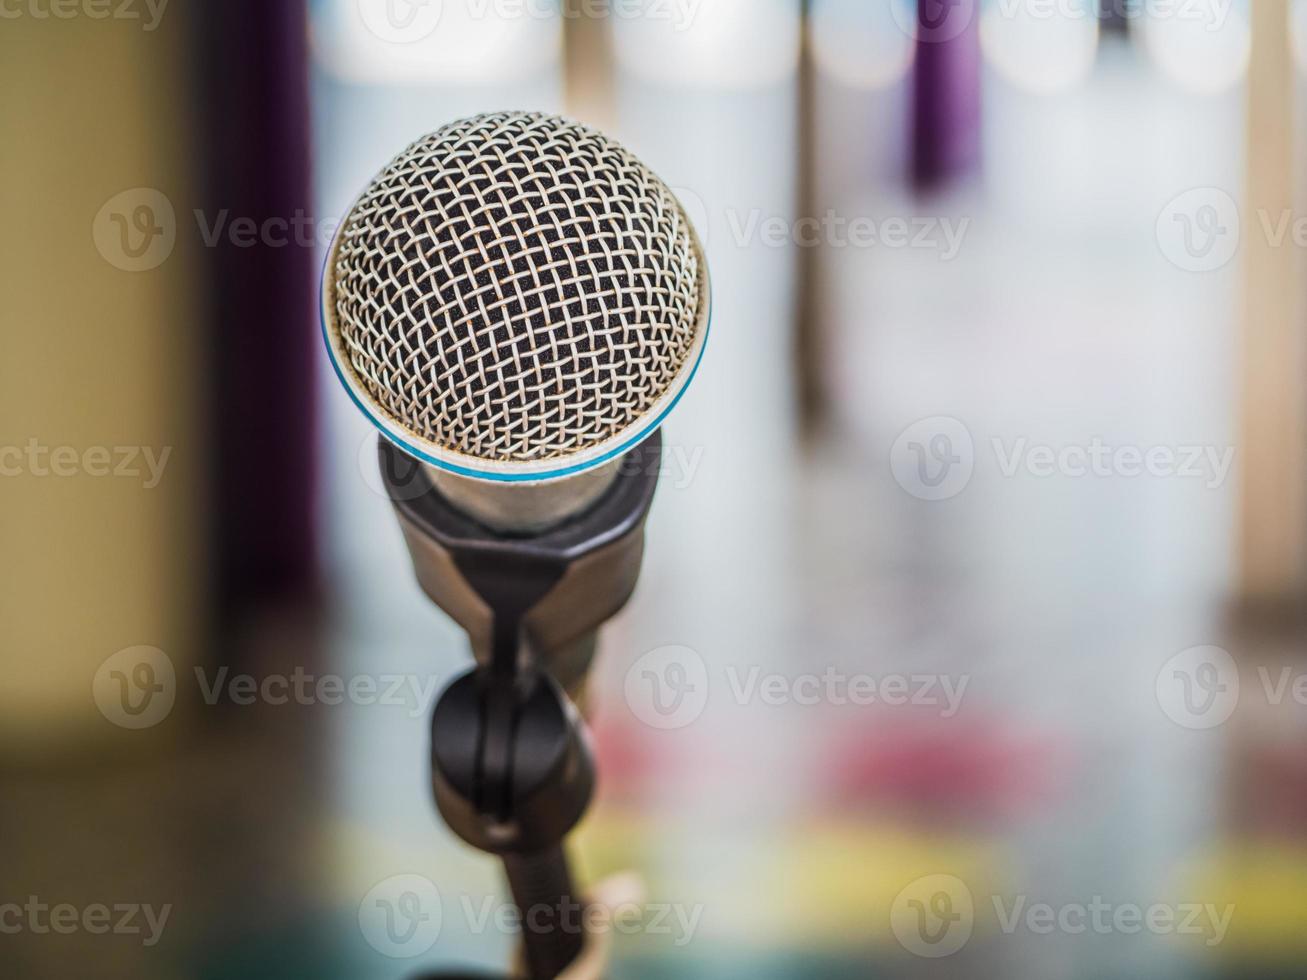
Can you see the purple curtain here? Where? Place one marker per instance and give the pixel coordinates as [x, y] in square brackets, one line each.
[256, 161]
[946, 91]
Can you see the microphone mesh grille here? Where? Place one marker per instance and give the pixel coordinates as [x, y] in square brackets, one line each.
[517, 287]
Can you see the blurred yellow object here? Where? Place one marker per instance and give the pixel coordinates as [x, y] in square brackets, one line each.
[843, 879]
[1266, 883]
[99, 360]
[828, 884]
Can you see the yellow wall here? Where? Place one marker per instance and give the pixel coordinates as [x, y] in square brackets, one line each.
[93, 356]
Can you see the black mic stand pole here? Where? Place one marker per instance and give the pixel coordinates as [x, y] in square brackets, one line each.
[510, 761]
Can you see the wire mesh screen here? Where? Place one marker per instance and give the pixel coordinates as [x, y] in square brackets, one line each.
[517, 287]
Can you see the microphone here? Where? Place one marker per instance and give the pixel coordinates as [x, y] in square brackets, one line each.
[516, 301]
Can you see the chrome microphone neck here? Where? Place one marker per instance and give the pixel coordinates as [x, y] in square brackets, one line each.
[526, 507]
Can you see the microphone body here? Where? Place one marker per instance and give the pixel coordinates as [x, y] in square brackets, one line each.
[559, 585]
[512, 771]
[517, 303]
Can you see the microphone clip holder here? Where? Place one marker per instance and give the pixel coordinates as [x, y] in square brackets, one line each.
[512, 771]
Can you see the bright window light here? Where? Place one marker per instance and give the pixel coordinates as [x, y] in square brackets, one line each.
[389, 41]
[1041, 47]
[1206, 52]
[709, 43]
[860, 44]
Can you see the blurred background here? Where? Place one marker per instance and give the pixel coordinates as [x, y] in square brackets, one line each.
[970, 635]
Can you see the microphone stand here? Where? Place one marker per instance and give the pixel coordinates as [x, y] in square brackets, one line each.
[511, 766]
